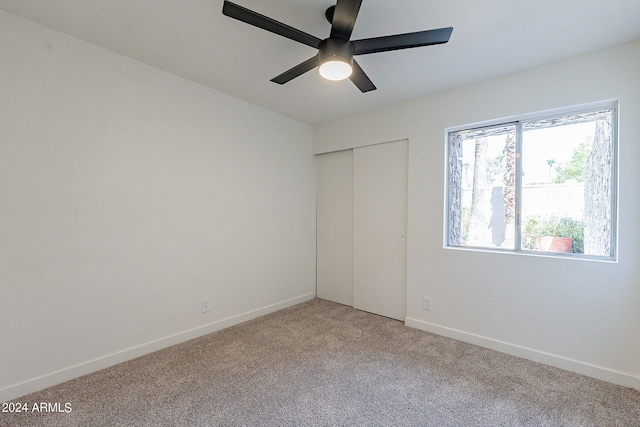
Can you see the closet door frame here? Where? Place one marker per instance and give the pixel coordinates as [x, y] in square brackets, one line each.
[362, 227]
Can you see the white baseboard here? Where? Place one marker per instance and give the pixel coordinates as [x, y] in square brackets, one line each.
[582, 368]
[48, 380]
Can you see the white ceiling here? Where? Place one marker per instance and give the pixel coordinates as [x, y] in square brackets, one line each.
[192, 39]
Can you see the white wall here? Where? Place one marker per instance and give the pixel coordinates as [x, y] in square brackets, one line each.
[127, 195]
[576, 314]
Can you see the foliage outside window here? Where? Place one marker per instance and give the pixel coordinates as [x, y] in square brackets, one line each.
[540, 184]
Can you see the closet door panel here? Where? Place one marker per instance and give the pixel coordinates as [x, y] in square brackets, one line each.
[334, 188]
[380, 228]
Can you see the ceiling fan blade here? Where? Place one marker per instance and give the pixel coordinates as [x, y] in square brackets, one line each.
[296, 71]
[344, 18]
[248, 16]
[360, 79]
[402, 41]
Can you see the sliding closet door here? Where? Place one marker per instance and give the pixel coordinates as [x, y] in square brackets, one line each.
[380, 228]
[334, 188]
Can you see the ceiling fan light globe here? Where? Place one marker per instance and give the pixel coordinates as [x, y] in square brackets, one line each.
[335, 69]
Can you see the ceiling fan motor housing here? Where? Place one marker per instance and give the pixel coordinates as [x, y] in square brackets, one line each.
[336, 49]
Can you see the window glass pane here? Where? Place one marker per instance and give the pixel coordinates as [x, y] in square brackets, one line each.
[482, 187]
[567, 184]
[545, 184]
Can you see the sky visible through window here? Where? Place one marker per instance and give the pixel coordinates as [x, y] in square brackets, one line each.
[553, 143]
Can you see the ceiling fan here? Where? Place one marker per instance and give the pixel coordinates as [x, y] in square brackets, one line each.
[335, 54]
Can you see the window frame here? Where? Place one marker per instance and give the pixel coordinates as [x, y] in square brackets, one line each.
[518, 121]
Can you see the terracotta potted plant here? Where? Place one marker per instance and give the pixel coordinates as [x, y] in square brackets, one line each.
[555, 244]
[553, 234]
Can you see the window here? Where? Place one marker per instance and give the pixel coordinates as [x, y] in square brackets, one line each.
[540, 184]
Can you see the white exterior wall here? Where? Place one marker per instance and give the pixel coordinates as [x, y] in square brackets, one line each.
[576, 314]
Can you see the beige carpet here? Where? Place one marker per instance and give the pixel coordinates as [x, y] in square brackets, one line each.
[321, 363]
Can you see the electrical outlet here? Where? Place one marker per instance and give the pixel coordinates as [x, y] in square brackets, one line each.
[205, 305]
[426, 303]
